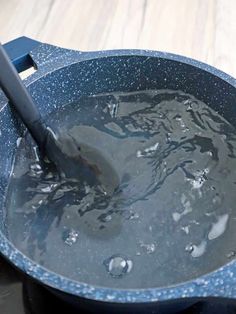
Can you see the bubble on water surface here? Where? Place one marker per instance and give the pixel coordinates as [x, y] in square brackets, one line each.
[35, 169]
[118, 265]
[70, 237]
[149, 248]
[196, 250]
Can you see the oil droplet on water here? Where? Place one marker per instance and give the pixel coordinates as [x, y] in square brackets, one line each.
[118, 266]
[70, 237]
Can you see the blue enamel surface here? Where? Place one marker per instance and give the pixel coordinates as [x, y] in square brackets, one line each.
[62, 77]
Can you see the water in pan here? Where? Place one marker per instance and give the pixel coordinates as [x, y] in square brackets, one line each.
[171, 219]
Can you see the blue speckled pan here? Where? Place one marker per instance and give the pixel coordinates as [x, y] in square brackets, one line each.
[68, 75]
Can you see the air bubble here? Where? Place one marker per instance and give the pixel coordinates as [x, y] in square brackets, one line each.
[70, 237]
[117, 266]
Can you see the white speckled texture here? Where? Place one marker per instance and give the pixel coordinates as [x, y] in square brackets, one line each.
[63, 76]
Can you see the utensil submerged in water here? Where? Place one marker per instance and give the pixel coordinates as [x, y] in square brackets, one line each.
[63, 150]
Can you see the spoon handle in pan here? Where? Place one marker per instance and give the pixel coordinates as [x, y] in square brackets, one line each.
[20, 99]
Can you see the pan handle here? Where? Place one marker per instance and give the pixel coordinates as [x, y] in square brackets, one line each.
[25, 53]
[18, 50]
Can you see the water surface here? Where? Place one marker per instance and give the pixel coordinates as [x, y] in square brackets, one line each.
[172, 217]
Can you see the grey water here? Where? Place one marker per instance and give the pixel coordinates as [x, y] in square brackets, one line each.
[172, 217]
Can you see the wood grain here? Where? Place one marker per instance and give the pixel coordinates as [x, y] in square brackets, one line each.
[201, 29]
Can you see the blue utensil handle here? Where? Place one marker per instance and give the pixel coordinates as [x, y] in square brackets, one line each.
[16, 92]
[18, 51]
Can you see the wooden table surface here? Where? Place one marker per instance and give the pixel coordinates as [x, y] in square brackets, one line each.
[201, 29]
